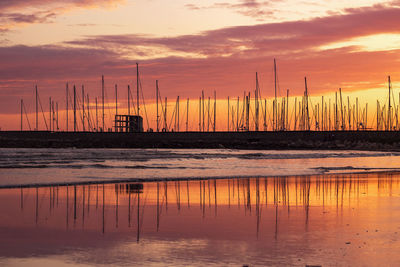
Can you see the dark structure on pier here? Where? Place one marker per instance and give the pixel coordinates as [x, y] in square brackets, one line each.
[128, 124]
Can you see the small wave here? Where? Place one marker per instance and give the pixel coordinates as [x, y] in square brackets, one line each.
[146, 167]
[88, 166]
[36, 166]
[351, 168]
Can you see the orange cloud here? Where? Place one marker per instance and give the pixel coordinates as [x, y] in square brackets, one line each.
[224, 60]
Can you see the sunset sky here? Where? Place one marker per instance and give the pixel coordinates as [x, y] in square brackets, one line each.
[191, 46]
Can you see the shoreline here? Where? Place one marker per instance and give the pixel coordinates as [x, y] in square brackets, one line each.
[152, 180]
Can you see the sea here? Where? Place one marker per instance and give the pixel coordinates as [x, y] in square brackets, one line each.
[199, 207]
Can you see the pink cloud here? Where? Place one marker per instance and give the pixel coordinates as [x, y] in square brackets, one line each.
[293, 43]
[16, 12]
[251, 8]
[265, 39]
[16, 4]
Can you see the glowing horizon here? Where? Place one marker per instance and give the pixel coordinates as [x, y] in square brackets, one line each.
[191, 47]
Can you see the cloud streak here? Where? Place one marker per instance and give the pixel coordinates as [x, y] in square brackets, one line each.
[6, 5]
[259, 40]
[250, 8]
[14, 13]
[224, 59]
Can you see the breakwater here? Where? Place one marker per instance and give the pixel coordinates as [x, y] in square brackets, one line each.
[361, 140]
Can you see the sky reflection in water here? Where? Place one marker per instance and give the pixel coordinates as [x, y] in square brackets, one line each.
[325, 220]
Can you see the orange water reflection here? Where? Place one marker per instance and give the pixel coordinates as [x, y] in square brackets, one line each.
[338, 219]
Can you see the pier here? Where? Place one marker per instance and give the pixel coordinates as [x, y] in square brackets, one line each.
[359, 140]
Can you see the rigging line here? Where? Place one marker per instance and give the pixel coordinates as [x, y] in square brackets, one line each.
[253, 115]
[262, 110]
[394, 99]
[312, 110]
[90, 119]
[210, 115]
[170, 122]
[162, 107]
[89, 116]
[81, 115]
[87, 113]
[41, 108]
[108, 108]
[268, 115]
[291, 117]
[183, 117]
[241, 121]
[278, 85]
[26, 115]
[71, 101]
[373, 119]
[144, 104]
[132, 103]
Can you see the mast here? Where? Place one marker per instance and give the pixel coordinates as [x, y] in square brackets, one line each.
[50, 114]
[215, 108]
[237, 115]
[157, 105]
[88, 113]
[329, 115]
[137, 88]
[165, 115]
[366, 116]
[357, 115]
[116, 100]
[247, 112]
[287, 110]
[97, 118]
[256, 104]
[228, 113]
[187, 116]
[102, 96]
[390, 108]
[202, 97]
[83, 108]
[74, 108]
[129, 101]
[265, 114]
[275, 111]
[208, 115]
[57, 115]
[66, 96]
[306, 99]
[37, 109]
[22, 103]
[200, 114]
[341, 109]
[243, 117]
[336, 113]
[349, 111]
[322, 113]
[295, 114]
[116, 107]
[54, 115]
[377, 115]
[177, 111]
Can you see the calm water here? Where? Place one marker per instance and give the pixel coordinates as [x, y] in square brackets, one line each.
[328, 220]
